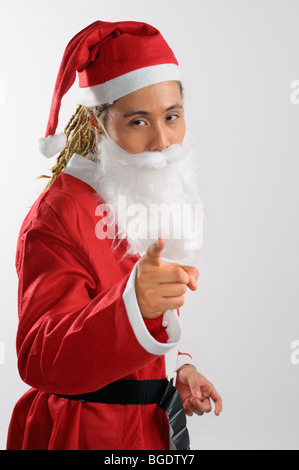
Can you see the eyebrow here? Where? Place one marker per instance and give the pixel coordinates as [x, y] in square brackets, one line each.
[146, 113]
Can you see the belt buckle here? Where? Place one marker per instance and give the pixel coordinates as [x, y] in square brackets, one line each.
[171, 377]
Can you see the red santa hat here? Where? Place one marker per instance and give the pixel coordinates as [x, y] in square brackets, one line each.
[112, 60]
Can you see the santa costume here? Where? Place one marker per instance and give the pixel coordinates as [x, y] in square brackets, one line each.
[100, 374]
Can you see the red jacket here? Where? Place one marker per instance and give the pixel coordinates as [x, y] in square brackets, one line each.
[80, 328]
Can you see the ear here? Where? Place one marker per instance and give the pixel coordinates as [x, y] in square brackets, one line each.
[94, 124]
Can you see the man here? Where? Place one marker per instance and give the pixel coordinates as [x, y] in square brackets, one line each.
[99, 329]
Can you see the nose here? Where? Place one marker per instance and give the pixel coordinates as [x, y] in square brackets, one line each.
[159, 139]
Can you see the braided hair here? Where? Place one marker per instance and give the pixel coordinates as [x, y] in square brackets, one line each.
[81, 138]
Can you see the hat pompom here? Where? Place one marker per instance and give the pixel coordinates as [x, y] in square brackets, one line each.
[52, 144]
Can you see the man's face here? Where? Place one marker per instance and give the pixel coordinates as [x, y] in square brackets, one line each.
[148, 119]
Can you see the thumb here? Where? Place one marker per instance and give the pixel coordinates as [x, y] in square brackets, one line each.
[153, 253]
[194, 386]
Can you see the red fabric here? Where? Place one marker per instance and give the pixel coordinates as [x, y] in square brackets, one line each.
[74, 335]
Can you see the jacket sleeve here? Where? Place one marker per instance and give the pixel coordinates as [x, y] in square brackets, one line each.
[72, 339]
[170, 320]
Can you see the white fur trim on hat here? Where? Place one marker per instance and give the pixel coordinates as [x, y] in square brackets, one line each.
[52, 145]
[127, 83]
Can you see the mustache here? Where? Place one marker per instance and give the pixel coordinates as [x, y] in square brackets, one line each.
[149, 159]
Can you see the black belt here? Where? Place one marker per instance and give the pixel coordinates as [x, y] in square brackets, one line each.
[145, 392]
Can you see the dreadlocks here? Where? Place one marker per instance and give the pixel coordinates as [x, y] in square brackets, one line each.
[81, 138]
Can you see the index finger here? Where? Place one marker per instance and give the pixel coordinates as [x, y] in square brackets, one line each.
[153, 253]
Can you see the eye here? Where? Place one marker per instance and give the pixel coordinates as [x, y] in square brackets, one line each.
[137, 123]
[172, 117]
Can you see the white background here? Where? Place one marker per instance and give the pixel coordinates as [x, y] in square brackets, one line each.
[239, 59]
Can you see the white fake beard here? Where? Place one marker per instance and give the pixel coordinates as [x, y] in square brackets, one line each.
[147, 180]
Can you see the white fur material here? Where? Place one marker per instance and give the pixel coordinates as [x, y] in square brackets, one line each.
[152, 179]
[125, 84]
[52, 145]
